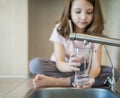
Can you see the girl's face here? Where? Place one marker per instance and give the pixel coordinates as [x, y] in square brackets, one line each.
[81, 14]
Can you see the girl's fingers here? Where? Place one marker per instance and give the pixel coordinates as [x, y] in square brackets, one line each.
[73, 54]
[75, 64]
[74, 59]
[89, 85]
[75, 69]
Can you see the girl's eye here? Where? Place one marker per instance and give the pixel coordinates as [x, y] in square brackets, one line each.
[77, 12]
[87, 12]
[90, 12]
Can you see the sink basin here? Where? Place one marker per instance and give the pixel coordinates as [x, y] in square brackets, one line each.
[73, 93]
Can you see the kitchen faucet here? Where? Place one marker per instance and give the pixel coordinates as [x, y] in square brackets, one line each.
[102, 40]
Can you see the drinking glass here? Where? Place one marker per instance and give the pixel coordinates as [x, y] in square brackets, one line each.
[82, 77]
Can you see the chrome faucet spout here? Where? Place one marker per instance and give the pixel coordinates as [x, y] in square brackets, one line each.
[95, 39]
[101, 40]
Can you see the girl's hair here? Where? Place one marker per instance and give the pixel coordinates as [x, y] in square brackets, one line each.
[95, 28]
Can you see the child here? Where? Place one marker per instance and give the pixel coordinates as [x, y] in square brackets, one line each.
[86, 17]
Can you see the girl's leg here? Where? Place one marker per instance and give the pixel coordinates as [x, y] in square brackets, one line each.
[46, 67]
[106, 71]
[48, 75]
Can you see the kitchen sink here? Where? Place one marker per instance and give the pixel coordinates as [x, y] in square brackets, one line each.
[73, 93]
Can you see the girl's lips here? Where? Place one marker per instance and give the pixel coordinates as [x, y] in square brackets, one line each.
[83, 22]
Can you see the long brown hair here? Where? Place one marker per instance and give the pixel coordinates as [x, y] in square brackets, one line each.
[95, 28]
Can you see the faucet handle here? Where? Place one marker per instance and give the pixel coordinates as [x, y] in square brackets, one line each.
[111, 82]
[107, 80]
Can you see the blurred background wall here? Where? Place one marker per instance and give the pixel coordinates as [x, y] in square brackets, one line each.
[25, 28]
[43, 15]
[112, 29]
[13, 38]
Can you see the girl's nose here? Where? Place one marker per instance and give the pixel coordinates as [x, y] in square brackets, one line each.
[83, 16]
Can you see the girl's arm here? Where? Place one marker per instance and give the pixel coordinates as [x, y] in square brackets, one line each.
[96, 63]
[60, 59]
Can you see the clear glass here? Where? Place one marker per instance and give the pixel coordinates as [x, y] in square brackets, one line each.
[82, 76]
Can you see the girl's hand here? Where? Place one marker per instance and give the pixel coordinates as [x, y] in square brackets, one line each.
[75, 62]
[87, 85]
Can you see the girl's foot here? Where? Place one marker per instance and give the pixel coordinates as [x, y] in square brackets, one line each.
[44, 81]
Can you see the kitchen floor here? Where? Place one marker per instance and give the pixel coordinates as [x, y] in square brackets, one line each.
[15, 87]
